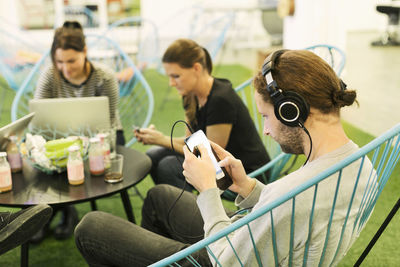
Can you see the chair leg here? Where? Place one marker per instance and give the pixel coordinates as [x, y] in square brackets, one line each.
[378, 233]
[137, 192]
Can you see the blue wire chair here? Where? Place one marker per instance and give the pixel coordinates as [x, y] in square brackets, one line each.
[384, 153]
[137, 36]
[136, 103]
[207, 27]
[211, 33]
[335, 57]
[18, 54]
[71, 12]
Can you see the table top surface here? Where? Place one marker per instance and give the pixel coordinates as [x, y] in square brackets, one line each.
[32, 186]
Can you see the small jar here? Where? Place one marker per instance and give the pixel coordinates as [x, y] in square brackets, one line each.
[5, 173]
[75, 170]
[105, 146]
[13, 155]
[96, 157]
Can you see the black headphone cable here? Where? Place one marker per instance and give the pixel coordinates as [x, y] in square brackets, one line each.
[184, 185]
[309, 136]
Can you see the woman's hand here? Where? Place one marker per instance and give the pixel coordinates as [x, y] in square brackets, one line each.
[199, 172]
[149, 136]
[242, 184]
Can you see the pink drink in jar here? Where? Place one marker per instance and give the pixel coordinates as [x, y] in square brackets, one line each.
[96, 157]
[75, 170]
[5, 173]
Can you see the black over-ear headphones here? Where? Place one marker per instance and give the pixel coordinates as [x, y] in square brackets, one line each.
[289, 107]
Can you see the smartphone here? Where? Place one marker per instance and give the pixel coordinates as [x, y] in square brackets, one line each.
[136, 128]
[223, 178]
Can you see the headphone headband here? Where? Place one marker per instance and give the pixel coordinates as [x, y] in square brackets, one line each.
[269, 62]
[289, 107]
[268, 66]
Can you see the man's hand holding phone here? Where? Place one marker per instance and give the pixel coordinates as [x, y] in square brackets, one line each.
[199, 171]
[242, 184]
[197, 138]
[229, 172]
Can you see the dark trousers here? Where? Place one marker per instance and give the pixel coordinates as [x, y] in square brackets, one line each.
[167, 168]
[107, 240]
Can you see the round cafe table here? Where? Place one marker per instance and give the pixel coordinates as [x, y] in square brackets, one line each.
[31, 186]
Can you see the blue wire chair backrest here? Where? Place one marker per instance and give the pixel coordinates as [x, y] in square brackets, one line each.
[73, 11]
[136, 101]
[18, 54]
[278, 158]
[207, 27]
[212, 33]
[138, 35]
[384, 154]
[333, 55]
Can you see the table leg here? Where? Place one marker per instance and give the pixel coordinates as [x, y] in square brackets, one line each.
[24, 254]
[127, 205]
[93, 204]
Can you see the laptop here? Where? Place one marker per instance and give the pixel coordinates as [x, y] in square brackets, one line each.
[14, 128]
[60, 117]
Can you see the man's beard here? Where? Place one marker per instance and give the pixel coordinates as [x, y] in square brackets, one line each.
[290, 139]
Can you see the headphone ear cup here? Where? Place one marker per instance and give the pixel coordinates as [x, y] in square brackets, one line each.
[291, 109]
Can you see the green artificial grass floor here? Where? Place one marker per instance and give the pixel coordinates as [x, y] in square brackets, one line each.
[167, 110]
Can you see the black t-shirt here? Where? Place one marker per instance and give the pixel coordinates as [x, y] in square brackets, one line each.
[225, 106]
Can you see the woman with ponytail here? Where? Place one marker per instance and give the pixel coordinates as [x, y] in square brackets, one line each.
[210, 105]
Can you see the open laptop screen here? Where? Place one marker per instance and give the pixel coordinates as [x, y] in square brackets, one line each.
[14, 128]
[60, 117]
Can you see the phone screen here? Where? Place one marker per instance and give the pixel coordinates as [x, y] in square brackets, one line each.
[200, 138]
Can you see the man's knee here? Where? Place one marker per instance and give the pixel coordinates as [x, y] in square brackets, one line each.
[88, 224]
[160, 196]
[156, 193]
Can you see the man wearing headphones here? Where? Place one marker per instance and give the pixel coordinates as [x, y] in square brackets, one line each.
[299, 96]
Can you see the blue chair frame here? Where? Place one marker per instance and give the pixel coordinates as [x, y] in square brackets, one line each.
[143, 39]
[333, 55]
[384, 152]
[215, 43]
[14, 40]
[207, 27]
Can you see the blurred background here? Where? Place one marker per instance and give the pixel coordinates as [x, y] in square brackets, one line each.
[238, 35]
[235, 32]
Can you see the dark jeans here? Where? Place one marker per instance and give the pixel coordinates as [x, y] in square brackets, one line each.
[107, 240]
[167, 168]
